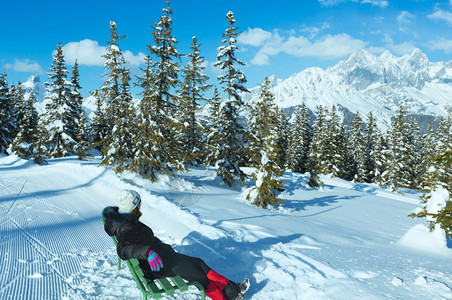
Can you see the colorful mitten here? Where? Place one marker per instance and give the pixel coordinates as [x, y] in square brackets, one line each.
[155, 261]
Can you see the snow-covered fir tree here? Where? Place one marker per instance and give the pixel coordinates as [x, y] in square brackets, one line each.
[230, 134]
[267, 164]
[415, 160]
[211, 126]
[261, 113]
[317, 151]
[356, 147]
[83, 143]
[38, 148]
[382, 159]
[109, 102]
[57, 117]
[7, 124]
[119, 149]
[75, 101]
[300, 141]
[436, 202]
[403, 152]
[98, 128]
[397, 151]
[192, 94]
[335, 146]
[145, 160]
[373, 154]
[159, 147]
[444, 133]
[80, 122]
[429, 151]
[27, 133]
[16, 94]
[283, 129]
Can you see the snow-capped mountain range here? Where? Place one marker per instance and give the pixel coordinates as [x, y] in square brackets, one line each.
[363, 82]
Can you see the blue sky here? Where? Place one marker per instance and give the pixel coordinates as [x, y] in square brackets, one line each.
[277, 37]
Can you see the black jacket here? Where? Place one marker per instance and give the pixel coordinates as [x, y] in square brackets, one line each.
[135, 239]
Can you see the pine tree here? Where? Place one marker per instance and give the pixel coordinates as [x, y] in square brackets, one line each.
[404, 146]
[75, 102]
[230, 133]
[145, 160]
[267, 166]
[160, 147]
[112, 107]
[83, 143]
[7, 125]
[99, 127]
[397, 150]
[38, 147]
[263, 111]
[335, 146]
[372, 154]
[415, 160]
[381, 156]
[78, 115]
[317, 151]
[166, 80]
[212, 145]
[26, 135]
[193, 89]
[444, 133]
[356, 148]
[300, 140]
[283, 130]
[438, 181]
[57, 118]
[16, 95]
[119, 149]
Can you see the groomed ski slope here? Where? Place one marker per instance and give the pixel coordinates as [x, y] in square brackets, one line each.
[345, 241]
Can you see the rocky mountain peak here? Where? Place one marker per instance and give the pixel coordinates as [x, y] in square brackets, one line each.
[364, 82]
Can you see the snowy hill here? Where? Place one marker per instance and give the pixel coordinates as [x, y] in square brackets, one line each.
[344, 241]
[364, 82]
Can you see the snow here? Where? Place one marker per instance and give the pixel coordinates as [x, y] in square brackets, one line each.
[366, 83]
[437, 202]
[419, 238]
[344, 241]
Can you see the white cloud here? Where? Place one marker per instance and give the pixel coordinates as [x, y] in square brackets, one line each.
[399, 49]
[405, 18]
[132, 59]
[441, 15]
[26, 66]
[327, 47]
[442, 44]
[89, 53]
[380, 3]
[402, 48]
[254, 37]
[330, 2]
[313, 31]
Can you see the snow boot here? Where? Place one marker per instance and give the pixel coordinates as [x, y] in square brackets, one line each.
[244, 287]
